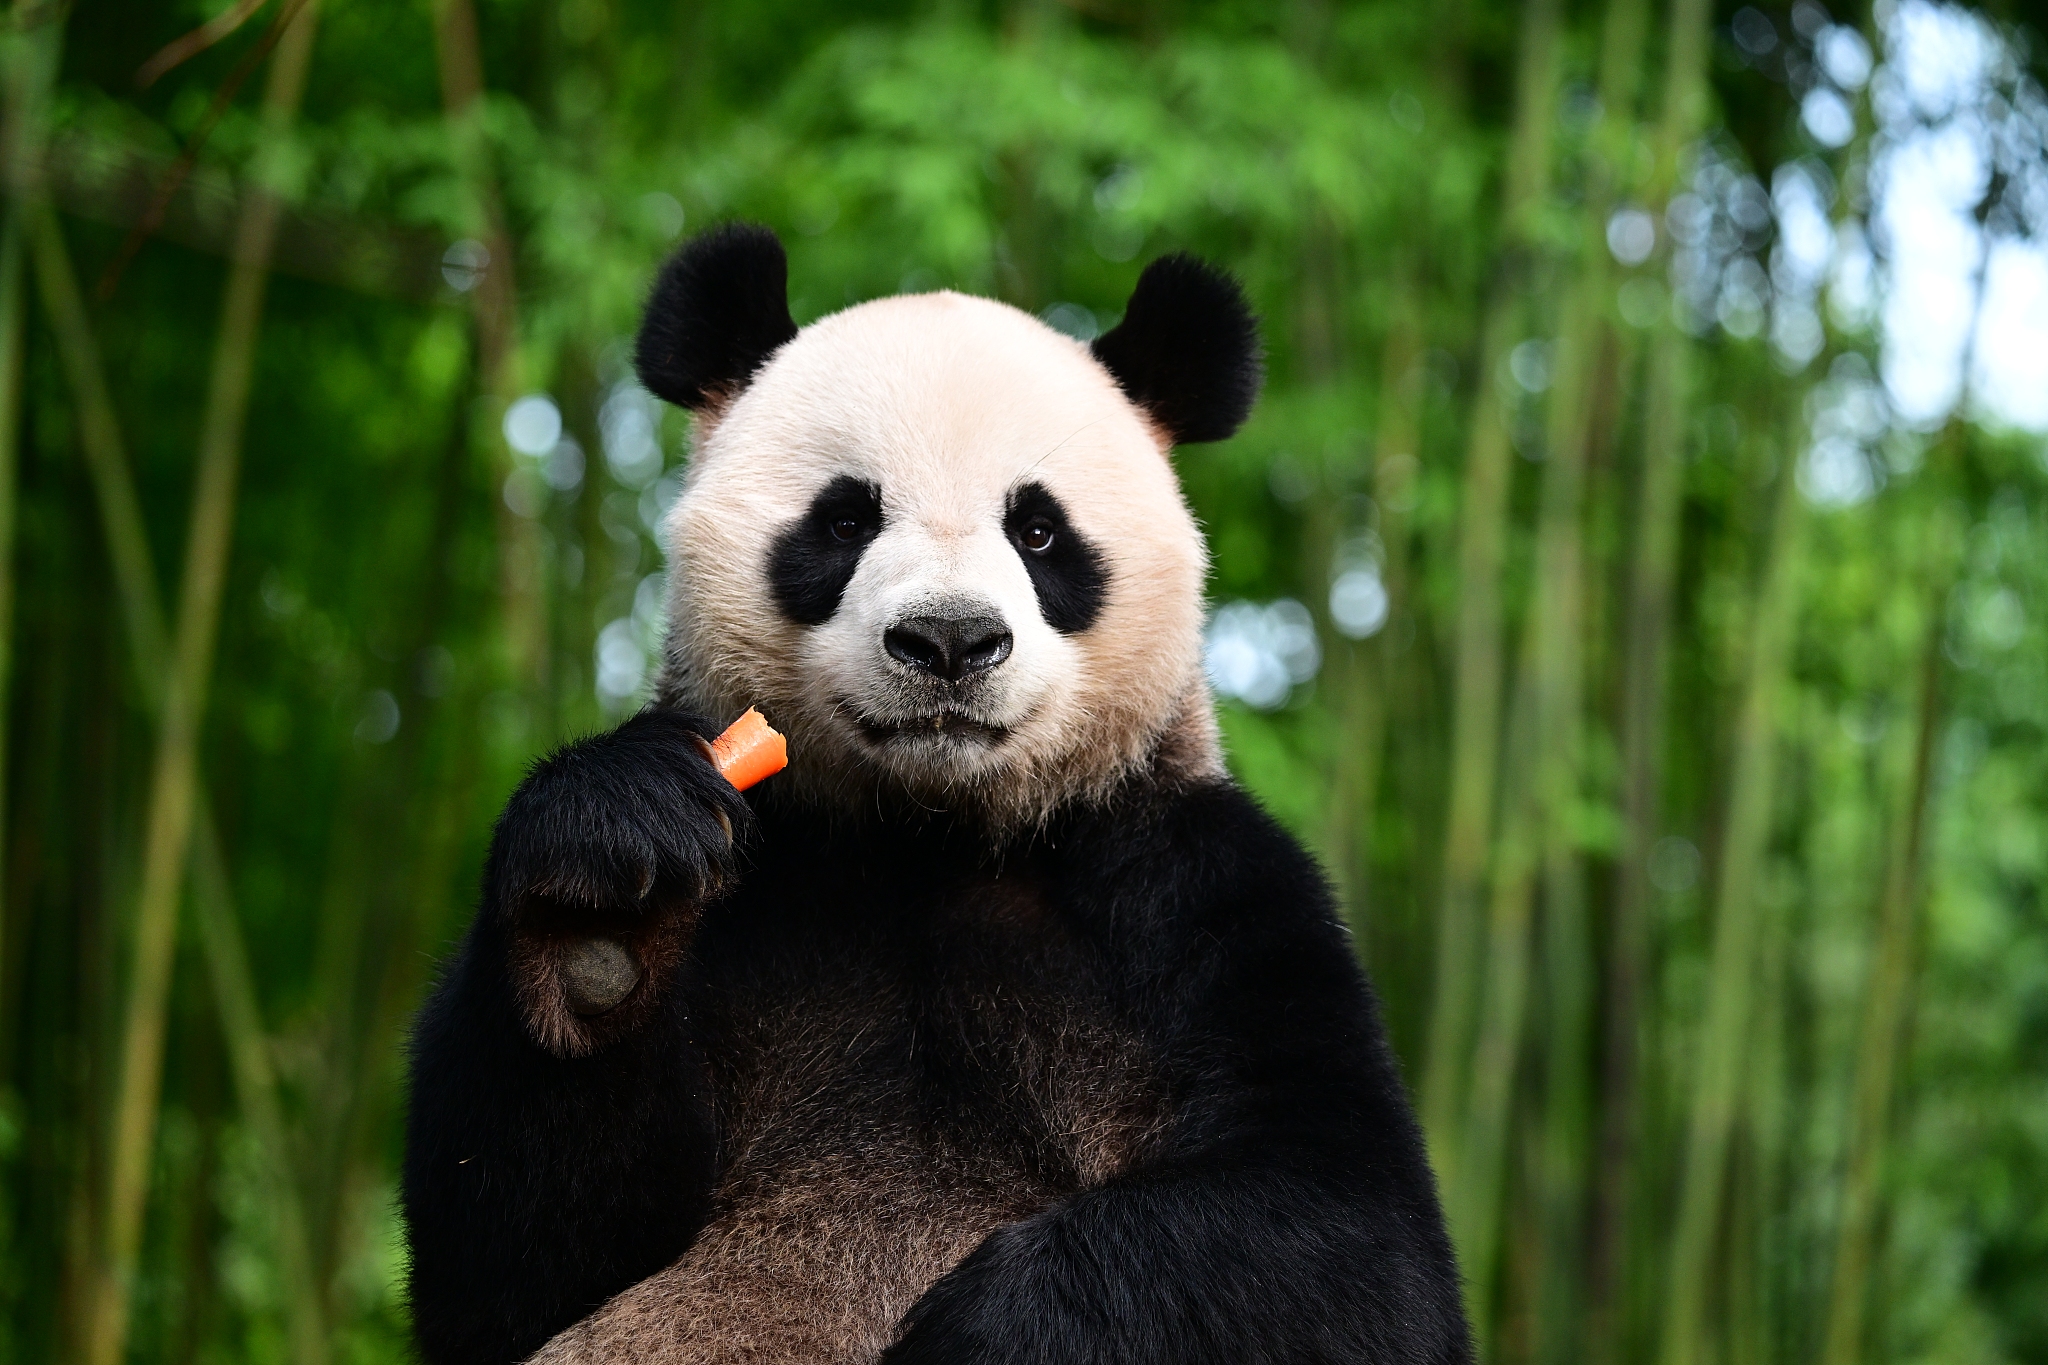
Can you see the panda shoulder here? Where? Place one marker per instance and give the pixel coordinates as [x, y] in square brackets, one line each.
[1210, 856]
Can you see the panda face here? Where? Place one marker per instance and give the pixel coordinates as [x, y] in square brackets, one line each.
[939, 546]
[938, 543]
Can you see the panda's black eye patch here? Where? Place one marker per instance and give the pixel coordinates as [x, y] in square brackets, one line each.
[1067, 572]
[813, 558]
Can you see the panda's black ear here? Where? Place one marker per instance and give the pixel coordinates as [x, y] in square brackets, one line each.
[1187, 350]
[719, 309]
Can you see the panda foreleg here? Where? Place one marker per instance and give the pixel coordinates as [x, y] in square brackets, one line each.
[1233, 1265]
[1288, 1213]
[555, 1152]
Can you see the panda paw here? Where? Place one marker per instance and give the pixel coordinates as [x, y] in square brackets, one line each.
[600, 863]
[619, 826]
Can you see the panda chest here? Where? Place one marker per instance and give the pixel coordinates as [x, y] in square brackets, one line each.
[890, 1094]
[973, 1037]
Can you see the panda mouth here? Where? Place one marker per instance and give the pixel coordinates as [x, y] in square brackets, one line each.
[939, 725]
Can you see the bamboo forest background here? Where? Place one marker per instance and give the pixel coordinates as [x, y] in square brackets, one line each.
[1634, 584]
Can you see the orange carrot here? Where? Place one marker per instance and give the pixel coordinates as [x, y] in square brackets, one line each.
[749, 750]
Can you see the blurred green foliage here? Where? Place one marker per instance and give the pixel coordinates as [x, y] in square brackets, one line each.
[372, 703]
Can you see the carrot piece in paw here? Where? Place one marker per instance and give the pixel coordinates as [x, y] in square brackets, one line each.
[749, 750]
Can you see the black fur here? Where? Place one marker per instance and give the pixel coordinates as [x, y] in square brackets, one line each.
[1068, 574]
[813, 558]
[1285, 1212]
[1187, 350]
[507, 1145]
[624, 823]
[719, 309]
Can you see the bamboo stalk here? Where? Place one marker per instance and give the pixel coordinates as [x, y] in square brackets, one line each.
[1535, 843]
[256, 1087]
[1582, 373]
[176, 686]
[1368, 671]
[1482, 539]
[1717, 1054]
[1651, 575]
[1397, 479]
[1474, 1200]
[99, 432]
[174, 785]
[1320, 360]
[183, 49]
[121, 521]
[1397, 455]
[1644, 666]
[1559, 626]
[367, 970]
[22, 128]
[26, 74]
[1361, 714]
[1396, 475]
[30, 47]
[12, 311]
[152, 217]
[99, 438]
[1889, 998]
[495, 300]
[227, 960]
[1757, 1233]
[1537, 840]
[232, 979]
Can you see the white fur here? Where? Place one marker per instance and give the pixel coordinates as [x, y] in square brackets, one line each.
[947, 403]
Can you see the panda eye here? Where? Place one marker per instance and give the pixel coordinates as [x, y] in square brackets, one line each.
[846, 528]
[1037, 535]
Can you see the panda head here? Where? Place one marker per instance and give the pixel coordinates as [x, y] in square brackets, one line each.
[940, 544]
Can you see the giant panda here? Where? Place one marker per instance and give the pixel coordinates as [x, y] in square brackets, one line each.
[1002, 1026]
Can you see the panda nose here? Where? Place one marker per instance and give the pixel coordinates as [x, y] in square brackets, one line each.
[949, 647]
